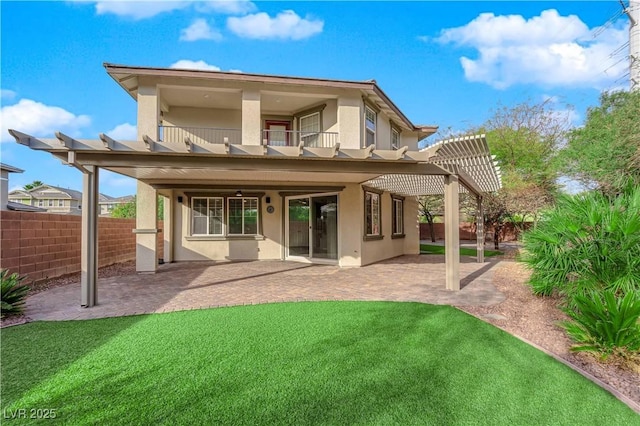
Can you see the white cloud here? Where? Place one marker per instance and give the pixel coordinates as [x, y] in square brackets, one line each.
[200, 30]
[228, 7]
[124, 132]
[7, 94]
[39, 120]
[138, 9]
[550, 50]
[286, 25]
[110, 180]
[187, 64]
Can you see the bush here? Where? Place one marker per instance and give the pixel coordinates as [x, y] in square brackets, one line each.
[605, 323]
[12, 293]
[587, 242]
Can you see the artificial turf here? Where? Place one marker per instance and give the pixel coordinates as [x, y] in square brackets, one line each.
[464, 251]
[294, 363]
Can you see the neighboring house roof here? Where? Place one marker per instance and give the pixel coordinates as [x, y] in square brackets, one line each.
[107, 199]
[10, 169]
[39, 192]
[127, 77]
[19, 207]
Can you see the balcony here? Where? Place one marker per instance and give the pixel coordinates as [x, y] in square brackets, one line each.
[204, 135]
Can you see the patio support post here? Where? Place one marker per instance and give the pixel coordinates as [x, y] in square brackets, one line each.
[89, 238]
[146, 229]
[167, 232]
[251, 122]
[452, 232]
[479, 230]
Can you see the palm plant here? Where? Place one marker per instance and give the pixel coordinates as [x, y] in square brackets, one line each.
[587, 242]
[12, 293]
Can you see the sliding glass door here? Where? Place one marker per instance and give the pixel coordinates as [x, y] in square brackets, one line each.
[312, 227]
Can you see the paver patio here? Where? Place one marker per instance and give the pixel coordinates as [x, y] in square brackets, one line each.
[197, 285]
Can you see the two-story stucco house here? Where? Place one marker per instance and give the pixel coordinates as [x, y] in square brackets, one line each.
[271, 167]
[52, 199]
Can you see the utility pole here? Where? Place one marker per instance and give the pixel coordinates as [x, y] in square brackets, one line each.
[633, 12]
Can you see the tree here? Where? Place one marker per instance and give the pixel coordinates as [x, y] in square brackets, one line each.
[604, 154]
[430, 206]
[128, 210]
[34, 184]
[524, 138]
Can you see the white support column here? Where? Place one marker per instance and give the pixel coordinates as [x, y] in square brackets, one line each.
[251, 119]
[146, 229]
[89, 238]
[167, 232]
[479, 230]
[452, 232]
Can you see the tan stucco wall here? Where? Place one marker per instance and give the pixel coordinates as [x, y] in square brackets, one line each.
[4, 189]
[203, 117]
[377, 250]
[350, 110]
[148, 111]
[330, 116]
[351, 205]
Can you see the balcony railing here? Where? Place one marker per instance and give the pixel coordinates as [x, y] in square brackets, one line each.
[200, 135]
[204, 135]
[294, 137]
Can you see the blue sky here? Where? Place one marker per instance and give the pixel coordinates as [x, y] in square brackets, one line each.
[444, 63]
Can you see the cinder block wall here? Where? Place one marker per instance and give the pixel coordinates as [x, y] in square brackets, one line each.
[468, 231]
[43, 245]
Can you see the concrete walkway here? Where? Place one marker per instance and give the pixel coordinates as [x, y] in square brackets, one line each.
[197, 285]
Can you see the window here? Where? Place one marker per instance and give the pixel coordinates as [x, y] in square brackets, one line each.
[207, 216]
[50, 203]
[372, 213]
[243, 216]
[310, 129]
[395, 139]
[369, 126]
[60, 203]
[397, 216]
[40, 203]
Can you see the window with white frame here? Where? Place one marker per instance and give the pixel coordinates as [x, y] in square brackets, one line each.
[60, 203]
[395, 138]
[372, 214]
[397, 216]
[50, 203]
[310, 129]
[40, 203]
[242, 216]
[369, 126]
[207, 216]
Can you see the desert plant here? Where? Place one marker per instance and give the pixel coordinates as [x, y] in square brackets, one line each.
[605, 323]
[13, 293]
[587, 242]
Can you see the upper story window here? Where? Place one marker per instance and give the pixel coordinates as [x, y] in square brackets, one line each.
[310, 129]
[369, 126]
[395, 138]
[50, 203]
[60, 203]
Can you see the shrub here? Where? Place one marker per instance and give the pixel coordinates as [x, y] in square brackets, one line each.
[587, 242]
[12, 293]
[605, 323]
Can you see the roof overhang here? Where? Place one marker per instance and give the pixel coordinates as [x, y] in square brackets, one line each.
[128, 78]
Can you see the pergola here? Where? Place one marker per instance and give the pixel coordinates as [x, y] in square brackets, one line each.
[450, 167]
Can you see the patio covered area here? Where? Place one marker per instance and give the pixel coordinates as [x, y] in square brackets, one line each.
[199, 285]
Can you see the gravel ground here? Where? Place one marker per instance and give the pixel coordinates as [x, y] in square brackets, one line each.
[536, 320]
[521, 314]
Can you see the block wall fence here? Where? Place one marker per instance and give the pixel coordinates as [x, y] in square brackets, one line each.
[43, 245]
[468, 231]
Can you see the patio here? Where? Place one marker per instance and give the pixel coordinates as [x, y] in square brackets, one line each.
[198, 285]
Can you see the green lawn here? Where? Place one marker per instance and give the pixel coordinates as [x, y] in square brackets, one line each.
[464, 251]
[295, 363]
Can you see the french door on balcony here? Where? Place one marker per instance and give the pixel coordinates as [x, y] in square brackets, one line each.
[312, 228]
[278, 133]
